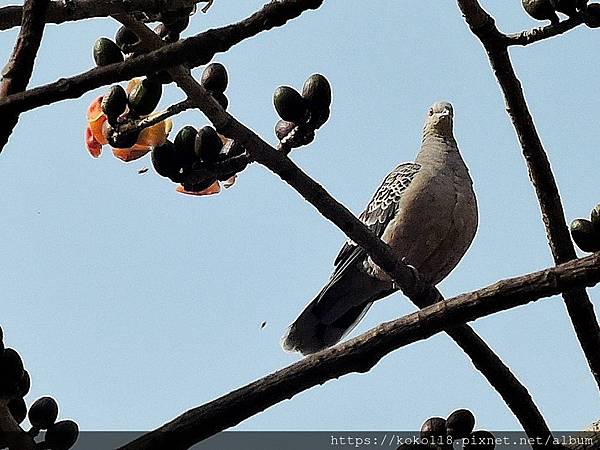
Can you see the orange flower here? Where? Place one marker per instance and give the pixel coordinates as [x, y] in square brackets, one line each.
[149, 137]
[93, 146]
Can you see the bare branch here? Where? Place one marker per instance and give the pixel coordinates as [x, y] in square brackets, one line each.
[365, 351]
[194, 51]
[484, 359]
[16, 74]
[66, 11]
[579, 306]
[538, 34]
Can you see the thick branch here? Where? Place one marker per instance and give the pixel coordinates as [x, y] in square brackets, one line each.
[193, 51]
[538, 34]
[363, 352]
[17, 72]
[579, 306]
[66, 11]
[484, 359]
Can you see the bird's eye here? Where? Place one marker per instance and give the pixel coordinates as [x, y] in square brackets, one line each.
[431, 112]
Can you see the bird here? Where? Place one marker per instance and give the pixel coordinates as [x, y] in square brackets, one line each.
[425, 210]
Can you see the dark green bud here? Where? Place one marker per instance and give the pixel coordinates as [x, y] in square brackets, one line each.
[106, 52]
[208, 144]
[221, 99]
[591, 15]
[43, 412]
[460, 423]
[433, 428]
[289, 104]
[317, 92]
[185, 146]
[144, 98]
[62, 435]
[165, 162]
[115, 102]
[126, 39]
[24, 384]
[585, 235]
[12, 370]
[214, 78]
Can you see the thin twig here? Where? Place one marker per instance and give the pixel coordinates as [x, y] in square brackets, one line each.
[66, 11]
[136, 126]
[16, 74]
[193, 51]
[422, 294]
[579, 306]
[363, 352]
[538, 34]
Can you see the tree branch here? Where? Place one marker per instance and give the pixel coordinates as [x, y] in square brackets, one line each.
[579, 306]
[496, 372]
[365, 351]
[17, 72]
[538, 34]
[66, 11]
[193, 51]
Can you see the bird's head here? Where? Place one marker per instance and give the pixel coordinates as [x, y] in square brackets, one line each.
[439, 119]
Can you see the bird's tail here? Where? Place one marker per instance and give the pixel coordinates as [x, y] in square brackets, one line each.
[334, 312]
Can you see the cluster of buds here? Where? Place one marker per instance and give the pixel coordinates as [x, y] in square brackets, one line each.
[14, 386]
[113, 119]
[442, 434]
[301, 114]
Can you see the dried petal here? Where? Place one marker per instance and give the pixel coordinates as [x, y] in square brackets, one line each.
[133, 83]
[156, 134]
[214, 188]
[229, 181]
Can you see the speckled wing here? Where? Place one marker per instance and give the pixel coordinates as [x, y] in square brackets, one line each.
[382, 208]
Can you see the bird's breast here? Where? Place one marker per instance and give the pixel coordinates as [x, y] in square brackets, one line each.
[436, 222]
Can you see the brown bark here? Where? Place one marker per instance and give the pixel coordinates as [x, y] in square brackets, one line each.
[17, 72]
[60, 11]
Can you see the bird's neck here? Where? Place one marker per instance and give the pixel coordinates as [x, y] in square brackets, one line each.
[439, 150]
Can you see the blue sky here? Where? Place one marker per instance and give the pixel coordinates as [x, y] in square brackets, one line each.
[131, 303]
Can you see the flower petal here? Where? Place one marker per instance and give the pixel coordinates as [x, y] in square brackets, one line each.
[93, 146]
[94, 109]
[132, 153]
[96, 127]
[214, 188]
[156, 134]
